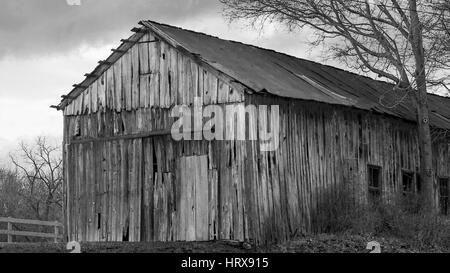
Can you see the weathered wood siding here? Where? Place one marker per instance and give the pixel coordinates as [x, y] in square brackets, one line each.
[441, 155]
[124, 186]
[155, 189]
[325, 150]
[154, 75]
[441, 161]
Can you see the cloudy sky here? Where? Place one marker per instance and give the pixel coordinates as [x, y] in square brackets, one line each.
[48, 45]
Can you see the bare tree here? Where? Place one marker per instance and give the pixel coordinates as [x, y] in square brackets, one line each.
[402, 41]
[40, 169]
[445, 8]
[10, 197]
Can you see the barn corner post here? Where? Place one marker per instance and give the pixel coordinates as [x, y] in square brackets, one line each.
[66, 216]
[423, 118]
[65, 183]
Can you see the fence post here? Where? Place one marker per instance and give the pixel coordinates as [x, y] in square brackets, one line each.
[56, 233]
[9, 232]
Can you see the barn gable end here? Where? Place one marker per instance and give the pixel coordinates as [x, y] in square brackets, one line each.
[126, 179]
[152, 64]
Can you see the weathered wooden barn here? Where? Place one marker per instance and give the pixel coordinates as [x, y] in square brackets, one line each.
[127, 179]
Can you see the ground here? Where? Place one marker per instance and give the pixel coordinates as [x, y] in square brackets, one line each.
[312, 244]
[157, 247]
[326, 243]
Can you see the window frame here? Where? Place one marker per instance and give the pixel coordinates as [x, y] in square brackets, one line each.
[412, 186]
[372, 191]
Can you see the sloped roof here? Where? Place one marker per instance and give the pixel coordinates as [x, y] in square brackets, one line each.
[264, 70]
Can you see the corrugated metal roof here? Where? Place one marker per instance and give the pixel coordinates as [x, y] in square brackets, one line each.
[291, 77]
[264, 70]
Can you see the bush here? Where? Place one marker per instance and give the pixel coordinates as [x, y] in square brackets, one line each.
[400, 219]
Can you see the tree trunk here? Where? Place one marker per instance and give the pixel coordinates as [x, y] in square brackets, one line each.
[423, 119]
[425, 145]
[47, 209]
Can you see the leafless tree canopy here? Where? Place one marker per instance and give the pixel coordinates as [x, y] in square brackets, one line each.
[10, 189]
[39, 170]
[367, 35]
[445, 8]
[403, 41]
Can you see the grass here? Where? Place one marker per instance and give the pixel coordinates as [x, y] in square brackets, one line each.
[400, 222]
[154, 247]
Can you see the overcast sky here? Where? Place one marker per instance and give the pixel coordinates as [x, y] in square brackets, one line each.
[46, 46]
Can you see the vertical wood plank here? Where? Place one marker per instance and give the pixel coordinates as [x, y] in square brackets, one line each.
[154, 55]
[201, 199]
[100, 99]
[173, 70]
[108, 102]
[118, 90]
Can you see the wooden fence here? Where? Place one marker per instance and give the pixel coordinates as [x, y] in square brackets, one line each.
[10, 232]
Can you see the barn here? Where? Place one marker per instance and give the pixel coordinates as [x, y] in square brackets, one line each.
[127, 178]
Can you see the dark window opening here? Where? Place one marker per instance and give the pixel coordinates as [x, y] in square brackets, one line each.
[99, 221]
[407, 183]
[443, 195]
[374, 183]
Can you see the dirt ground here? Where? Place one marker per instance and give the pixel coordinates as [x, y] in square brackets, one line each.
[154, 247]
[314, 244]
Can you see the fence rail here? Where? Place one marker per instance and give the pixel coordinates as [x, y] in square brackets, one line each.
[10, 232]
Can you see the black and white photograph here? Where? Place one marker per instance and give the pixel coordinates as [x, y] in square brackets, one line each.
[243, 129]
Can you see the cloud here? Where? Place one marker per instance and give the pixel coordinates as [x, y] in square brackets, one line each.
[48, 45]
[53, 26]
[36, 118]
[76, 37]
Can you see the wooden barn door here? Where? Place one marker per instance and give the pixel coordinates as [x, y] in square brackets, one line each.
[158, 192]
[175, 200]
[137, 190]
[193, 205]
[104, 190]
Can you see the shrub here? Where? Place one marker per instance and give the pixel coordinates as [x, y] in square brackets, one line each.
[400, 219]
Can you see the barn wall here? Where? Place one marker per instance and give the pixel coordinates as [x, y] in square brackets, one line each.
[138, 190]
[324, 153]
[123, 183]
